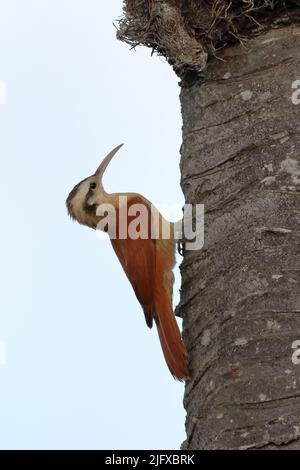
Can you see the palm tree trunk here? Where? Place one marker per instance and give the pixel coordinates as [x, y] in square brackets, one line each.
[241, 293]
[240, 298]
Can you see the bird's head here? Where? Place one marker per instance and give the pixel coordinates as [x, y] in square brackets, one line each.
[87, 195]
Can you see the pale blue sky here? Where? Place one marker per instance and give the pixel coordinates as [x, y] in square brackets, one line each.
[83, 370]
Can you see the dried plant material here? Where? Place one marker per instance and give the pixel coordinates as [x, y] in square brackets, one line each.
[188, 32]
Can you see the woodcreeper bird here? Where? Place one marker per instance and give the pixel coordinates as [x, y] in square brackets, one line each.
[147, 261]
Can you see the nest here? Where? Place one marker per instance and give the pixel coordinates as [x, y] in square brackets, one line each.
[190, 32]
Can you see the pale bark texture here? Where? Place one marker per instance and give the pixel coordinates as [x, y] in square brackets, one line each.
[240, 297]
[241, 294]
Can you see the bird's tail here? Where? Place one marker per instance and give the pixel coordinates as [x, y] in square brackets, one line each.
[170, 338]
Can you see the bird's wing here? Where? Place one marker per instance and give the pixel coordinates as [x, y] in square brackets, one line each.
[138, 259]
[148, 265]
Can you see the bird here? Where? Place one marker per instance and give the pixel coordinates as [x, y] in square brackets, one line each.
[148, 260]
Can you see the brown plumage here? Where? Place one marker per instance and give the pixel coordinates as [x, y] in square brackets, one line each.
[147, 261]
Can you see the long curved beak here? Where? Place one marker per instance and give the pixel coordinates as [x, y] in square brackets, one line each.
[101, 169]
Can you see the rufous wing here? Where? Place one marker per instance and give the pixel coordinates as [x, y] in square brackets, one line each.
[147, 264]
[138, 259]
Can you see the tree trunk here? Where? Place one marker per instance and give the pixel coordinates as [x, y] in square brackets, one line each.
[240, 298]
[241, 293]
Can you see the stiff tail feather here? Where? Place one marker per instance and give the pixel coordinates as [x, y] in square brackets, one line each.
[170, 338]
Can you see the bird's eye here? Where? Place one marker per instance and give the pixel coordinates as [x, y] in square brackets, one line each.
[93, 185]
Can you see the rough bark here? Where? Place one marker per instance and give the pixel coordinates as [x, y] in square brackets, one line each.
[240, 298]
[241, 293]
